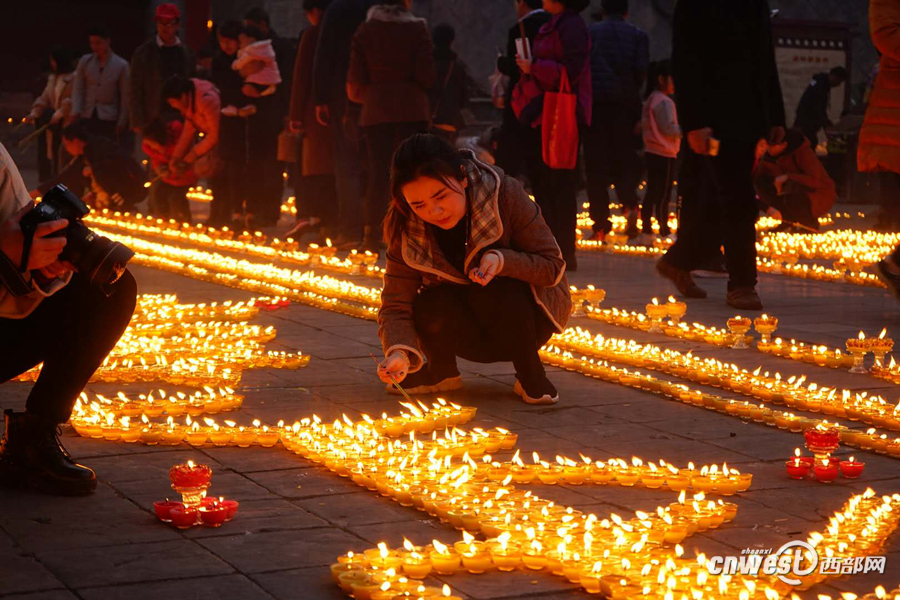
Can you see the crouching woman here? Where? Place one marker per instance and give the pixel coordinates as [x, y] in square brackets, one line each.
[473, 271]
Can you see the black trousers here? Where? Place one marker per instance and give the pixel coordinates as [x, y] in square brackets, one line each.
[230, 183]
[349, 165]
[510, 155]
[660, 173]
[170, 202]
[317, 197]
[264, 173]
[554, 191]
[794, 205]
[495, 323]
[71, 332]
[381, 142]
[719, 208]
[98, 126]
[610, 157]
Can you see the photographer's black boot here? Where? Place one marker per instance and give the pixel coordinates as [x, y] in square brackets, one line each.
[48, 467]
[12, 456]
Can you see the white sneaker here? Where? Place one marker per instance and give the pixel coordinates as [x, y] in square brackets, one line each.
[642, 239]
[519, 391]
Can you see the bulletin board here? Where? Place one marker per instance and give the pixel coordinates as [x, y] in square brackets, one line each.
[804, 48]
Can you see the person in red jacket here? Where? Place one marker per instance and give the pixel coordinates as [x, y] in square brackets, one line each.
[790, 178]
[168, 199]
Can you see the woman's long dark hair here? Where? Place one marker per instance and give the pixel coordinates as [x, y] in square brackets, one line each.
[64, 58]
[422, 155]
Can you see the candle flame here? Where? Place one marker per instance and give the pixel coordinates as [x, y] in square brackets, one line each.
[503, 539]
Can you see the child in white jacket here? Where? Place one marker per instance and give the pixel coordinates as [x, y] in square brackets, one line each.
[256, 63]
[662, 141]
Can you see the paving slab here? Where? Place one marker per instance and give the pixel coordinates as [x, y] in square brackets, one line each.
[22, 573]
[45, 595]
[296, 517]
[280, 550]
[233, 587]
[284, 585]
[133, 563]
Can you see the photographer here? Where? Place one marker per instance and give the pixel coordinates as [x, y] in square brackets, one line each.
[63, 320]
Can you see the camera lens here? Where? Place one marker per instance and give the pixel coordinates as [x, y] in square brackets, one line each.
[105, 261]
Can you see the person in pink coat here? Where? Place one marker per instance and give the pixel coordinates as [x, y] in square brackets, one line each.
[198, 102]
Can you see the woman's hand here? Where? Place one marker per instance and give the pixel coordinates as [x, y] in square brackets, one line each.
[524, 64]
[487, 270]
[394, 368]
[779, 183]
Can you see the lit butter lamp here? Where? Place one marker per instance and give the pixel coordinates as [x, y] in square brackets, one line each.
[739, 327]
[851, 469]
[798, 467]
[656, 312]
[859, 347]
[881, 346]
[765, 326]
[675, 309]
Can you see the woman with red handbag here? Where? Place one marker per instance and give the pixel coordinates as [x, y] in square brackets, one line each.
[554, 98]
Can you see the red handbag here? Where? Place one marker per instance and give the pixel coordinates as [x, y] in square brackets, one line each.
[559, 126]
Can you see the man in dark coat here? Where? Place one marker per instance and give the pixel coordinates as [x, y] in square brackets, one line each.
[728, 97]
[812, 110]
[510, 144]
[153, 62]
[332, 61]
[620, 57]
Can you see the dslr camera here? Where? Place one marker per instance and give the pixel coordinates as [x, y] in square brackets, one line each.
[95, 257]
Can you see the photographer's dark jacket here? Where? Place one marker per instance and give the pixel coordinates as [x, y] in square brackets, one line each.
[13, 196]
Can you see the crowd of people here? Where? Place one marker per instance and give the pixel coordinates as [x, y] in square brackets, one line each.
[368, 74]
[364, 76]
[474, 267]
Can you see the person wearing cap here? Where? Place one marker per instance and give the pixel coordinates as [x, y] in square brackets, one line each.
[155, 61]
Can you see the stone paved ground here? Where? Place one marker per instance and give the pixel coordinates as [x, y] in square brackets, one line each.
[296, 518]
